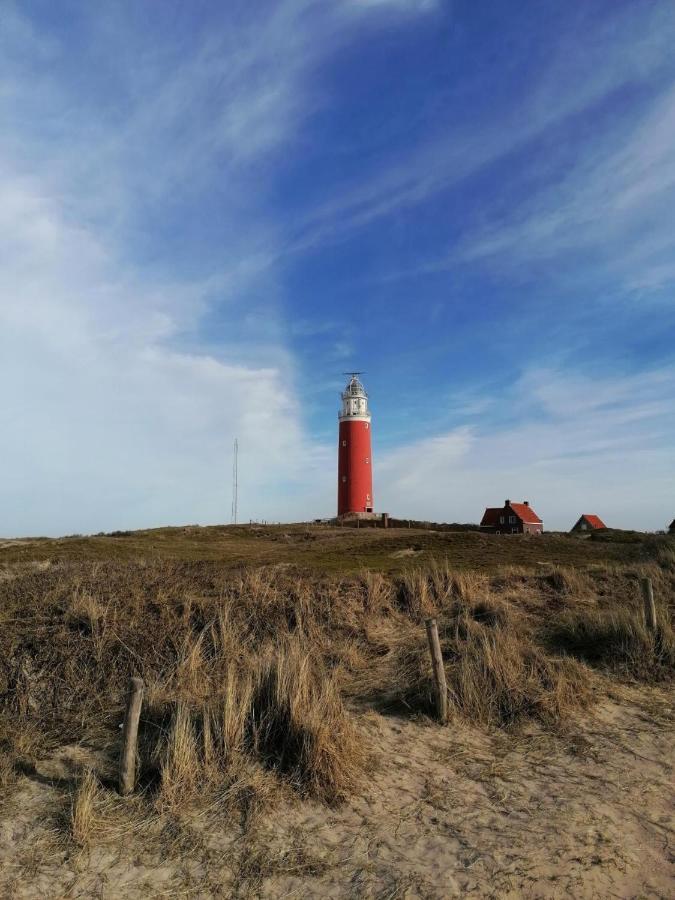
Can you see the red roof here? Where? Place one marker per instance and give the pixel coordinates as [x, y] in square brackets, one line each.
[524, 512]
[593, 521]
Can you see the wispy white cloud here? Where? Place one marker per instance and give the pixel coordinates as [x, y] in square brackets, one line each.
[592, 62]
[105, 421]
[415, 6]
[574, 444]
[617, 201]
[187, 117]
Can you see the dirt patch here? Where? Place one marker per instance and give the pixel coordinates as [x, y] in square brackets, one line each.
[587, 813]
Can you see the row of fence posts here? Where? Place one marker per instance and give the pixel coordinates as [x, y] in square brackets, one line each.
[127, 771]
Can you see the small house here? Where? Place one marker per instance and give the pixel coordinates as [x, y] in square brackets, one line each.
[588, 522]
[512, 518]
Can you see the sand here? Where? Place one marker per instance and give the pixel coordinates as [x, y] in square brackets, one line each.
[456, 811]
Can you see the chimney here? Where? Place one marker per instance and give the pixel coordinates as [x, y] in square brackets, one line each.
[507, 503]
[526, 503]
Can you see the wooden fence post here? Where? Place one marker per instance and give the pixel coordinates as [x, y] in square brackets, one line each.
[650, 606]
[439, 670]
[130, 736]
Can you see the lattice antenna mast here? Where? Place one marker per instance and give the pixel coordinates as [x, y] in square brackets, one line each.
[235, 481]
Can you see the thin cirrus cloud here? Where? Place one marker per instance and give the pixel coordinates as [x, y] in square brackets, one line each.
[144, 258]
[588, 64]
[613, 200]
[619, 203]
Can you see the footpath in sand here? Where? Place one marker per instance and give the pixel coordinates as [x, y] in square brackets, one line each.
[447, 812]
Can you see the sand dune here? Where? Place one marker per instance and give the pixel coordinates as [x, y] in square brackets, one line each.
[588, 812]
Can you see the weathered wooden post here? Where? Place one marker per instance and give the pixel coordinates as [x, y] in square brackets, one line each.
[650, 606]
[130, 736]
[438, 670]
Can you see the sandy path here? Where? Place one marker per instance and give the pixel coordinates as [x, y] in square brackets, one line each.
[448, 812]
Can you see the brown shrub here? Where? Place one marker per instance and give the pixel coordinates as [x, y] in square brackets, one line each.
[414, 596]
[299, 726]
[569, 582]
[497, 678]
[664, 556]
[617, 640]
[286, 712]
[495, 675]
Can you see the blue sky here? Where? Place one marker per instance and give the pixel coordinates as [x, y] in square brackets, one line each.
[209, 211]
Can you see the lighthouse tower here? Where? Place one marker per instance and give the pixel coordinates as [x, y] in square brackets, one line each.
[355, 469]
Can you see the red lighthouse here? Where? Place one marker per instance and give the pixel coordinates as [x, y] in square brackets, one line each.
[355, 469]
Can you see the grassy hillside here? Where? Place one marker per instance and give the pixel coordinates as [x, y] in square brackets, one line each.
[339, 550]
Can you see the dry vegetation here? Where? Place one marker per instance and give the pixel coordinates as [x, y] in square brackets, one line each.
[258, 679]
[337, 550]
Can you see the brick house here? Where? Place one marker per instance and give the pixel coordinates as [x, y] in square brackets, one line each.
[588, 522]
[512, 518]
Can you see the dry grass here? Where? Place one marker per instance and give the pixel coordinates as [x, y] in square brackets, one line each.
[619, 640]
[96, 814]
[255, 677]
[569, 582]
[664, 555]
[21, 742]
[285, 711]
[299, 726]
[84, 821]
[336, 550]
[496, 674]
